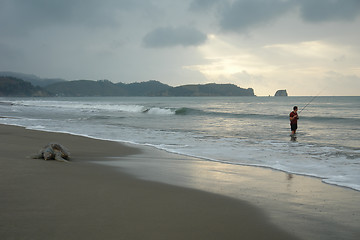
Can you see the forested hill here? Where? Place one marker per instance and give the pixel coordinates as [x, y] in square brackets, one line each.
[10, 86]
[149, 88]
[14, 87]
[210, 89]
[82, 88]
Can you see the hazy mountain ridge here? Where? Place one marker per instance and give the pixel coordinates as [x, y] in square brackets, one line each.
[33, 79]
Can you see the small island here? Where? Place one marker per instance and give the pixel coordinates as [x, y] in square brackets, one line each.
[281, 93]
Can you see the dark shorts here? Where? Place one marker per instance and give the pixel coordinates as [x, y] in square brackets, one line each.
[293, 127]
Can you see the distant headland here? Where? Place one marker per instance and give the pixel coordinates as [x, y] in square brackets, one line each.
[25, 85]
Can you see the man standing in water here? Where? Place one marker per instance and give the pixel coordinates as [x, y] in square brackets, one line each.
[293, 120]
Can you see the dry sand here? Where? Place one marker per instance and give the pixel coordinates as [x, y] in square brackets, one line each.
[82, 200]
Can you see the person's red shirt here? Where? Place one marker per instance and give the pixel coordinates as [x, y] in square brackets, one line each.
[294, 117]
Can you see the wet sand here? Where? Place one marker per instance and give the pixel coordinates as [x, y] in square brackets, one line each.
[303, 206]
[86, 200]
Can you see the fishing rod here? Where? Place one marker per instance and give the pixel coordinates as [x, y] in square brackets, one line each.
[310, 101]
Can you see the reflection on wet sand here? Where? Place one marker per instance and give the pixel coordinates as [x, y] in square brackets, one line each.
[292, 201]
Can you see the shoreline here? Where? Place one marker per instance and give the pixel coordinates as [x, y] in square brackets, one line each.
[141, 146]
[89, 186]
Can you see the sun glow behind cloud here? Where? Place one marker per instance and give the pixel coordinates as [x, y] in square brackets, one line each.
[225, 60]
[300, 65]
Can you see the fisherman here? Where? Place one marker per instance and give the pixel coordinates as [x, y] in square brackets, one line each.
[293, 120]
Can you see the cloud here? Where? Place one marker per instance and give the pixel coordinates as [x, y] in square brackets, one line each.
[309, 50]
[277, 43]
[243, 14]
[200, 5]
[329, 10]
[170, 37]
[8, 55]
[341, 84]
[22, 16]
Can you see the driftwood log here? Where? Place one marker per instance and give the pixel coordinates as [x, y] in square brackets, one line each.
[53, 151]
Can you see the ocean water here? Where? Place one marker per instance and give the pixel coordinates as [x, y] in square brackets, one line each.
[230, 130]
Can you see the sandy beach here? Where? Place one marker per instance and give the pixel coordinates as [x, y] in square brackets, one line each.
[85, 200]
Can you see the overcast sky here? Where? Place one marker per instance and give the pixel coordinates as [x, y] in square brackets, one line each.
[305, 46]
